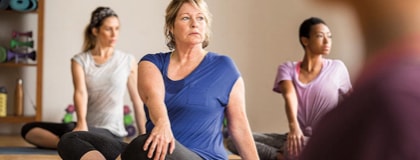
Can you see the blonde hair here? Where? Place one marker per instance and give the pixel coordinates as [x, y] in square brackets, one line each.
[170, 17]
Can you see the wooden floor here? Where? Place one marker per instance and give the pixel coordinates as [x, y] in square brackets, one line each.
[17, 141]
[13, 141]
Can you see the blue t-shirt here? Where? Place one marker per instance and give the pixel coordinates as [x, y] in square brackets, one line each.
[196, 104]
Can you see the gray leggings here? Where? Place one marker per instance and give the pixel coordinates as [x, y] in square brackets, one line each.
[134, 151]
[268, 144]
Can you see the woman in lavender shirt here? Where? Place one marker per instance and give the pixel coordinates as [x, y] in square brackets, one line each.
[311, 87]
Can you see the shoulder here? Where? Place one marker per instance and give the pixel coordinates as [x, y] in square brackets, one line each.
[81, 57]
[121, 53]
[335, 63]
[124, 55]
[155, 56]
[158, 59]
[219, 60]
[288, 65]
[218, 57]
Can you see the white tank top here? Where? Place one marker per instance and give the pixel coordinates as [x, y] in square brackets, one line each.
[106, 86]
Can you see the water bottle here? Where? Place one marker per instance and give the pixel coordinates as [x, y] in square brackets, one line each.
[19, 98]
[3, 102]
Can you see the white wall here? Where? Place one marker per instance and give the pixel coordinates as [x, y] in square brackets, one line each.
[258, 35]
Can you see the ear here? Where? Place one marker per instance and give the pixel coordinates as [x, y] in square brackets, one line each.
[305, 41]
[171, 31]
[95, 31]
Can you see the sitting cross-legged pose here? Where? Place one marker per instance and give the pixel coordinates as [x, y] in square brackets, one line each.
[188, 92]
[101, 76]
[310, 87]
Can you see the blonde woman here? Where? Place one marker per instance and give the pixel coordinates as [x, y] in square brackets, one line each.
[188, 91]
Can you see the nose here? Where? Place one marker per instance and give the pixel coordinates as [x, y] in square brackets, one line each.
[114, 32]
[194, 23]
[327, 40]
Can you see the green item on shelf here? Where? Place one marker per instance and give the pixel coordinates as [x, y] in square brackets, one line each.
[3, 54]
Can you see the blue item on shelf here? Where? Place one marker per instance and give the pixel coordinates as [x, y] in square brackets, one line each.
[23, 5]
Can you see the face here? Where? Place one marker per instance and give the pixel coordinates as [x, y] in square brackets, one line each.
[189, 26]
[108, 32]
[319, 41]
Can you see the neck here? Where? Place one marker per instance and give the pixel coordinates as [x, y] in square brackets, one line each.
[311, 64]
[188, 54]
[102, 52]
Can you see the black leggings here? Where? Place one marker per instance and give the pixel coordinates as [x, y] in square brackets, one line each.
[56, 128]
[74, 145]
[134, 151]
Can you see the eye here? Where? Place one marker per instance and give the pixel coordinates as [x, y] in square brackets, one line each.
[108, 28]
[185, 18]
[200, 18]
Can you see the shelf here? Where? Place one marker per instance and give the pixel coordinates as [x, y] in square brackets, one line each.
[12, 64]
[15, 119]
[9, 11]
[20, 18]
[17, 12]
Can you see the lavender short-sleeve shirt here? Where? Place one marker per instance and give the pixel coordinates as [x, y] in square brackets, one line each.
[319, 96]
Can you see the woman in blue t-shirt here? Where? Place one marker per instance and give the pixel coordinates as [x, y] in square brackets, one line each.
[187, 93]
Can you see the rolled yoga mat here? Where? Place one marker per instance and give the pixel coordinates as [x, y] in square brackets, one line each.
[4, 4]
[23, 5]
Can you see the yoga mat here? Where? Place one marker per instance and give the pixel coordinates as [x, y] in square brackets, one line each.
[4, 4]
[23, 5]
[26, 150]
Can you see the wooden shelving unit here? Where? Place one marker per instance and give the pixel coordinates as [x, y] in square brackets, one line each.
[38, 65]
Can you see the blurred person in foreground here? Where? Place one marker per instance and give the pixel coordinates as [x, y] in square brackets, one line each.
[379, 120]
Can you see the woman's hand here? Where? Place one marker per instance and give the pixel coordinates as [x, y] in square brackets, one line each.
[160, 141]
[80, 127]
[295, 142]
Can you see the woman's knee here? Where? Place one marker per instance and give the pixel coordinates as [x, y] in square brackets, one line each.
[73, 146]
[65, 140]
[134, 150]
[27, 127]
